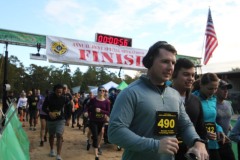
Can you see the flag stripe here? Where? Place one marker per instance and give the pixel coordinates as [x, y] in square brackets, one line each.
[211, 39]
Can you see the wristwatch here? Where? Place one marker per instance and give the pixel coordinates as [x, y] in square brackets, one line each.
[199, 140]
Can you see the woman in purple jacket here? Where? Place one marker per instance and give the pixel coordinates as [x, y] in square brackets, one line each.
[99, 109]
[43, 117]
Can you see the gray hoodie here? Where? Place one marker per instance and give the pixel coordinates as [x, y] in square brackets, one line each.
[133, 118]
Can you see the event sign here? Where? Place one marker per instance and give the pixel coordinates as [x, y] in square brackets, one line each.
[70, 51]
[22, 38]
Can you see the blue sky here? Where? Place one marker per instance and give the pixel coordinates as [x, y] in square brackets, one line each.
[180, 22]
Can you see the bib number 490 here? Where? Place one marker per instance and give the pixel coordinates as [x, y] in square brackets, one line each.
[166, 123]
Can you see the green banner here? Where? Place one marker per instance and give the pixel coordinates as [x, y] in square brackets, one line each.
[10, 147]
[21, 38]
[195, 60]
[15, 127]
[20, 133]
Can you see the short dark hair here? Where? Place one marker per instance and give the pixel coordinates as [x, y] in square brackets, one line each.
[209, 77]
[182, 63]
[154, 50]
[57, 86]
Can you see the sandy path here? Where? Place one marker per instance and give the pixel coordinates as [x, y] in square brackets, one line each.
[74, 147]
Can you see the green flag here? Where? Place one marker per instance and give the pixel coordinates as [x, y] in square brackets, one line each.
[18, 130]
[9, 145]
[122, 85]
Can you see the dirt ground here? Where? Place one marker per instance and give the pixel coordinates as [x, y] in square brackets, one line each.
[74, 146]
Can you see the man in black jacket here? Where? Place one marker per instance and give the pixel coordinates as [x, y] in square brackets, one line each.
[54, 107]
[183, 78]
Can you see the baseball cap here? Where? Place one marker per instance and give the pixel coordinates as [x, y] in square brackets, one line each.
[100, 87]
[65, 86]
[223, 84]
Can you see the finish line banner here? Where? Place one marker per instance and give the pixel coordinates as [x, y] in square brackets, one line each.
[70, 51]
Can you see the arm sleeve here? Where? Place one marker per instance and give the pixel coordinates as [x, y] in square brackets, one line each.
[45, 106]
[186, 128]
[18, 104]
[40, 103]
[219, 128]
[107, 109]
[201, 128]
[120, 120]
[235, 132]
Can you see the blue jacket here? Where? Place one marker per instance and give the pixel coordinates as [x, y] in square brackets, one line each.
[209, 115]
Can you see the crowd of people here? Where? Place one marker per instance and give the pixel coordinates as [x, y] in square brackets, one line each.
[186, 120]
[150, 119]
[58, 108]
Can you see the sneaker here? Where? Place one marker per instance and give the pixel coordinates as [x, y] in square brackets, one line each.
[99, 151]
[88, 145]
[41, 143]
[79, 125]
[72, 126]
[34, 128]
[52, 153]
[58, 157]
[119, 148]
[96, 158]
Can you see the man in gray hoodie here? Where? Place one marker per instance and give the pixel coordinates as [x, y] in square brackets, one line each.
[147, 115]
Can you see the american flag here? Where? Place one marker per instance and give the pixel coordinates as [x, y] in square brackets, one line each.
[211, 39]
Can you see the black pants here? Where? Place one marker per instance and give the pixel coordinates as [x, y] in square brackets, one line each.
[33, 117]
[181, 152]
[95, 128]
[214, 154]
[226, 151]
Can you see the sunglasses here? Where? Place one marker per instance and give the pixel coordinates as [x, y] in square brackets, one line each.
[101, 90]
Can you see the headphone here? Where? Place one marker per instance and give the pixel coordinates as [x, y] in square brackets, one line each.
[153, 50]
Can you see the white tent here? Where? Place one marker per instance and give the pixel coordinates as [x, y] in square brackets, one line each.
[107, 86]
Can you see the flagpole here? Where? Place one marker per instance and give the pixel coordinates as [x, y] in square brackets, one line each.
[9, 119]
[202, 54]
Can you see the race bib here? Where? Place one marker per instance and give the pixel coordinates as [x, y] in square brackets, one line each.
[99, 115]
[57, 113]
[166, 123]
[210, 127]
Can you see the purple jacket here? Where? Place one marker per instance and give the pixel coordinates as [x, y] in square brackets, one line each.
[103, 105]
[39, 105]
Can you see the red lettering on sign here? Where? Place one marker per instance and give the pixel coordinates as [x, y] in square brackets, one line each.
[129, 59]
[110, 57]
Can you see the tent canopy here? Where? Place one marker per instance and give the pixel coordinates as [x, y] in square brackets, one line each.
[107, 86]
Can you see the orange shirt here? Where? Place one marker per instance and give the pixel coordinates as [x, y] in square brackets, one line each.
[76, 106]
